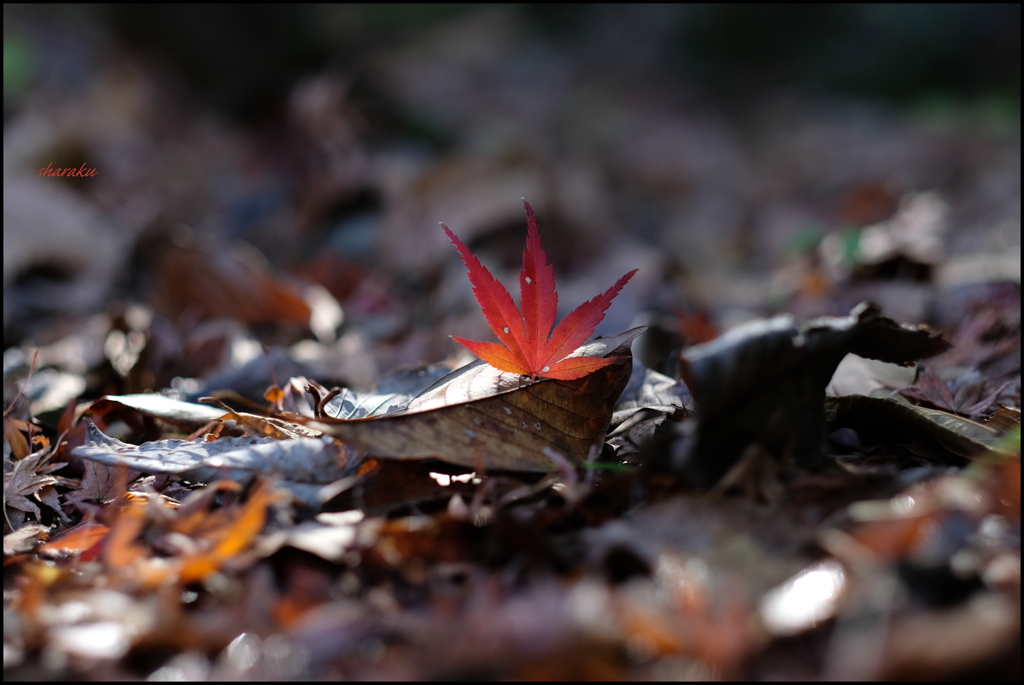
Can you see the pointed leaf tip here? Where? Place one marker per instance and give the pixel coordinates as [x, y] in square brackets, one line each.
[497, 305]
[577, 326]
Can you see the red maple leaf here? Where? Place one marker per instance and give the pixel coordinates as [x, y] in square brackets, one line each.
[530, 347]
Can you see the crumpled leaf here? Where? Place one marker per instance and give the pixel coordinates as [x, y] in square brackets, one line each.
[303, 464]
[48, 496]
[650, 398]
[648, 389]
[392, 393]
[479, 416]
[765, 382]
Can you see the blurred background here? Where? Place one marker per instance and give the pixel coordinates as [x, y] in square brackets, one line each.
[274, 176]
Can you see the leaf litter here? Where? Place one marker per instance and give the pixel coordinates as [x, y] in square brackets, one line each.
[790, 564]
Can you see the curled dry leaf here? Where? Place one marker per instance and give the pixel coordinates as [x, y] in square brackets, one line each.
[303, 464]
[765, 382]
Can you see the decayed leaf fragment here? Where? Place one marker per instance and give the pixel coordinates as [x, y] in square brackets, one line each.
[530, 347]
[479, 416]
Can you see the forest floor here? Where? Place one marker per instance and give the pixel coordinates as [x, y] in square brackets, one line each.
[759, 503]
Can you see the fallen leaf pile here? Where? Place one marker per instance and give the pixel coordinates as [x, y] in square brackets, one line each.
[368, 494]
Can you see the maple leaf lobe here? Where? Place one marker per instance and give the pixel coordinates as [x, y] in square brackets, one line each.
[531, 347]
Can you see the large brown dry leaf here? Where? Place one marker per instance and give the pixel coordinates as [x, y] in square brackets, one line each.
[484, 418]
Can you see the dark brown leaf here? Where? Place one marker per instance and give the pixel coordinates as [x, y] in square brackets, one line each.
[765, 382]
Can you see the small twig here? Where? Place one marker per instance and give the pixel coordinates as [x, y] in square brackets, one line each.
[202, 431]
[321, 406]
[270, 365]
[476, 506]
[568, 471]
[21, 390]
[588, 478]
[314, 388]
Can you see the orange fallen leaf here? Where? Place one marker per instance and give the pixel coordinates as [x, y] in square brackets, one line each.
[82, 538]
